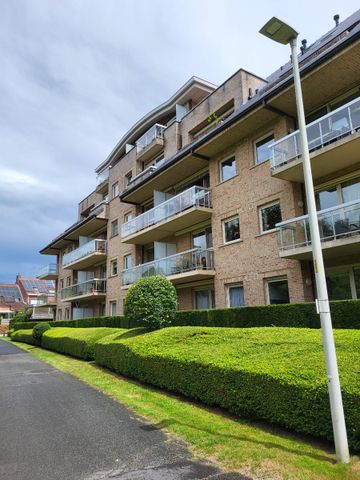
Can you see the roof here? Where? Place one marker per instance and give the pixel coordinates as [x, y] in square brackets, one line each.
[10, 293]
[36, 286]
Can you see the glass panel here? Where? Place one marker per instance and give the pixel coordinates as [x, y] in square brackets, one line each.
[232, 230]
[263, 151]
[270, 216]
[228, 169]
[236, 296]
[326, 199]
[202, 299]
[278, 291]
[357, 281]
[350, 190]
[338, 285]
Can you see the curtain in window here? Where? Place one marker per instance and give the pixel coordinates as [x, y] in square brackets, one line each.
[236, 296]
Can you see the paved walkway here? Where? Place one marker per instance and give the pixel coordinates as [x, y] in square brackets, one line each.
[55, 427]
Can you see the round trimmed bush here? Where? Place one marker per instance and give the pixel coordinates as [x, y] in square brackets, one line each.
[39, 329]
[151, 302]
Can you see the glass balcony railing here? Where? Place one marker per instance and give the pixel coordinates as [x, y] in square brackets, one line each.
[156, 131]
[338, 123]
[194, 196]
[334, 223]
[102, 176]
[94, 246]
[94, 286]
[50, 269]
[190, 260]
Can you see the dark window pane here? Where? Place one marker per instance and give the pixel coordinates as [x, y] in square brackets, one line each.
[270, 216]
[338, 285]
[236, 296]
[232, 230]
[326, 199]
[278, 292]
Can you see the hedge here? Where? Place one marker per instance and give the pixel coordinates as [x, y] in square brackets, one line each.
[345, 314]
[271, 374]
[112, 322]
[25, 336]
[77, 342]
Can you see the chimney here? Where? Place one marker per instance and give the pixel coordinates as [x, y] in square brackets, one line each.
[336, 19]
[303, 46]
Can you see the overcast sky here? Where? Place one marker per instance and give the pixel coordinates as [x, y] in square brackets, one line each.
[76, 74]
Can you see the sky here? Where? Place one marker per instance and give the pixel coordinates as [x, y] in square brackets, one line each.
[77, 74]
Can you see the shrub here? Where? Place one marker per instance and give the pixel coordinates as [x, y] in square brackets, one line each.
[92, 322]
[77, 342]
[24, 336]
[272, 374]
[151, 302]
[39, 329]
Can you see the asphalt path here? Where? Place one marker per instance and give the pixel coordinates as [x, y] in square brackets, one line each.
[54, 427]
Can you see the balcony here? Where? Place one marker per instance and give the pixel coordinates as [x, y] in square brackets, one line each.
[102, 181]
[334, 142]
[48, 272]
[151, 143]
[184, 210]
[189, 266]
[42, 313]
[85, 256]
[339, 231]
[95, 288]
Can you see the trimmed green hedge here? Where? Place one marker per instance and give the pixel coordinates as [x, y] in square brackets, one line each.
[111, 322]
[77, 342]
[272, 374]
[25, 336]
[345, 314]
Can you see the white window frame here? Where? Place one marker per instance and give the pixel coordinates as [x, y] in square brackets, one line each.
[268, 280]
[255, 142]
[224, 231]
[128, 177]
[129, 255]
[220, 168]
[115, 190]
[228, 286]
[112, 262]
[207, 289]
[111, 304]
[128, 216]
[116, 221]
[275, 202]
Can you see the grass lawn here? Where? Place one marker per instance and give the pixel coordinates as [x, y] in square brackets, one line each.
[255, 449]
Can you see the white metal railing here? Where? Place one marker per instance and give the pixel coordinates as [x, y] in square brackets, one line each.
[102, 176]
[93, 286]
[194, 259]
[194, 196]
[94, 246]
[50, 269]
[156, 131]
[42, 313]
[337, 222]
[336, 124]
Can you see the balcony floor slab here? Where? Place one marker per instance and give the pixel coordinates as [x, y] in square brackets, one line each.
[86, 262]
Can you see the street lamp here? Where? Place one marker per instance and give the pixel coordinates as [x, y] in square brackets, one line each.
[280, 32]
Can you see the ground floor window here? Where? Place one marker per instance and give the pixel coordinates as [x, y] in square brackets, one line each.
[343, 282]
[59, 314]
[112, 308]
[204, 298]
[277, 290]
[235, 295]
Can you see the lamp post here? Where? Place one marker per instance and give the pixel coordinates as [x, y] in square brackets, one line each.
[280, 32]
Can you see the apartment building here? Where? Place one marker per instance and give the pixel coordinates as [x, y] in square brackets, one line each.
[208, 190]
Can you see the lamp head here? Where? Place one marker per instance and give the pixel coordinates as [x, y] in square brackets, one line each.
[278, 31]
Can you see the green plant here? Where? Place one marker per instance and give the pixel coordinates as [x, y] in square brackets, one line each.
[151, 302]
[272, 374]
[25, 336]
[23, 315]
[78, 342]
[39, 330]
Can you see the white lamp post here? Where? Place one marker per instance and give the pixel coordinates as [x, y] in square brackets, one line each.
[280, 32]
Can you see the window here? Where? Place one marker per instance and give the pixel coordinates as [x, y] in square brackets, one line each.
[262, 151]
[227, 169]
[270, 215]
[235, 295]
[114, 228]
[231, 230]
[204, 298]
[113, 268]
[115, 190]
[128, 178]
[61, 283]
[113, 308]
[59, 314]
[127, 262]
[128, 217]
[277, 290]
[68, 281]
